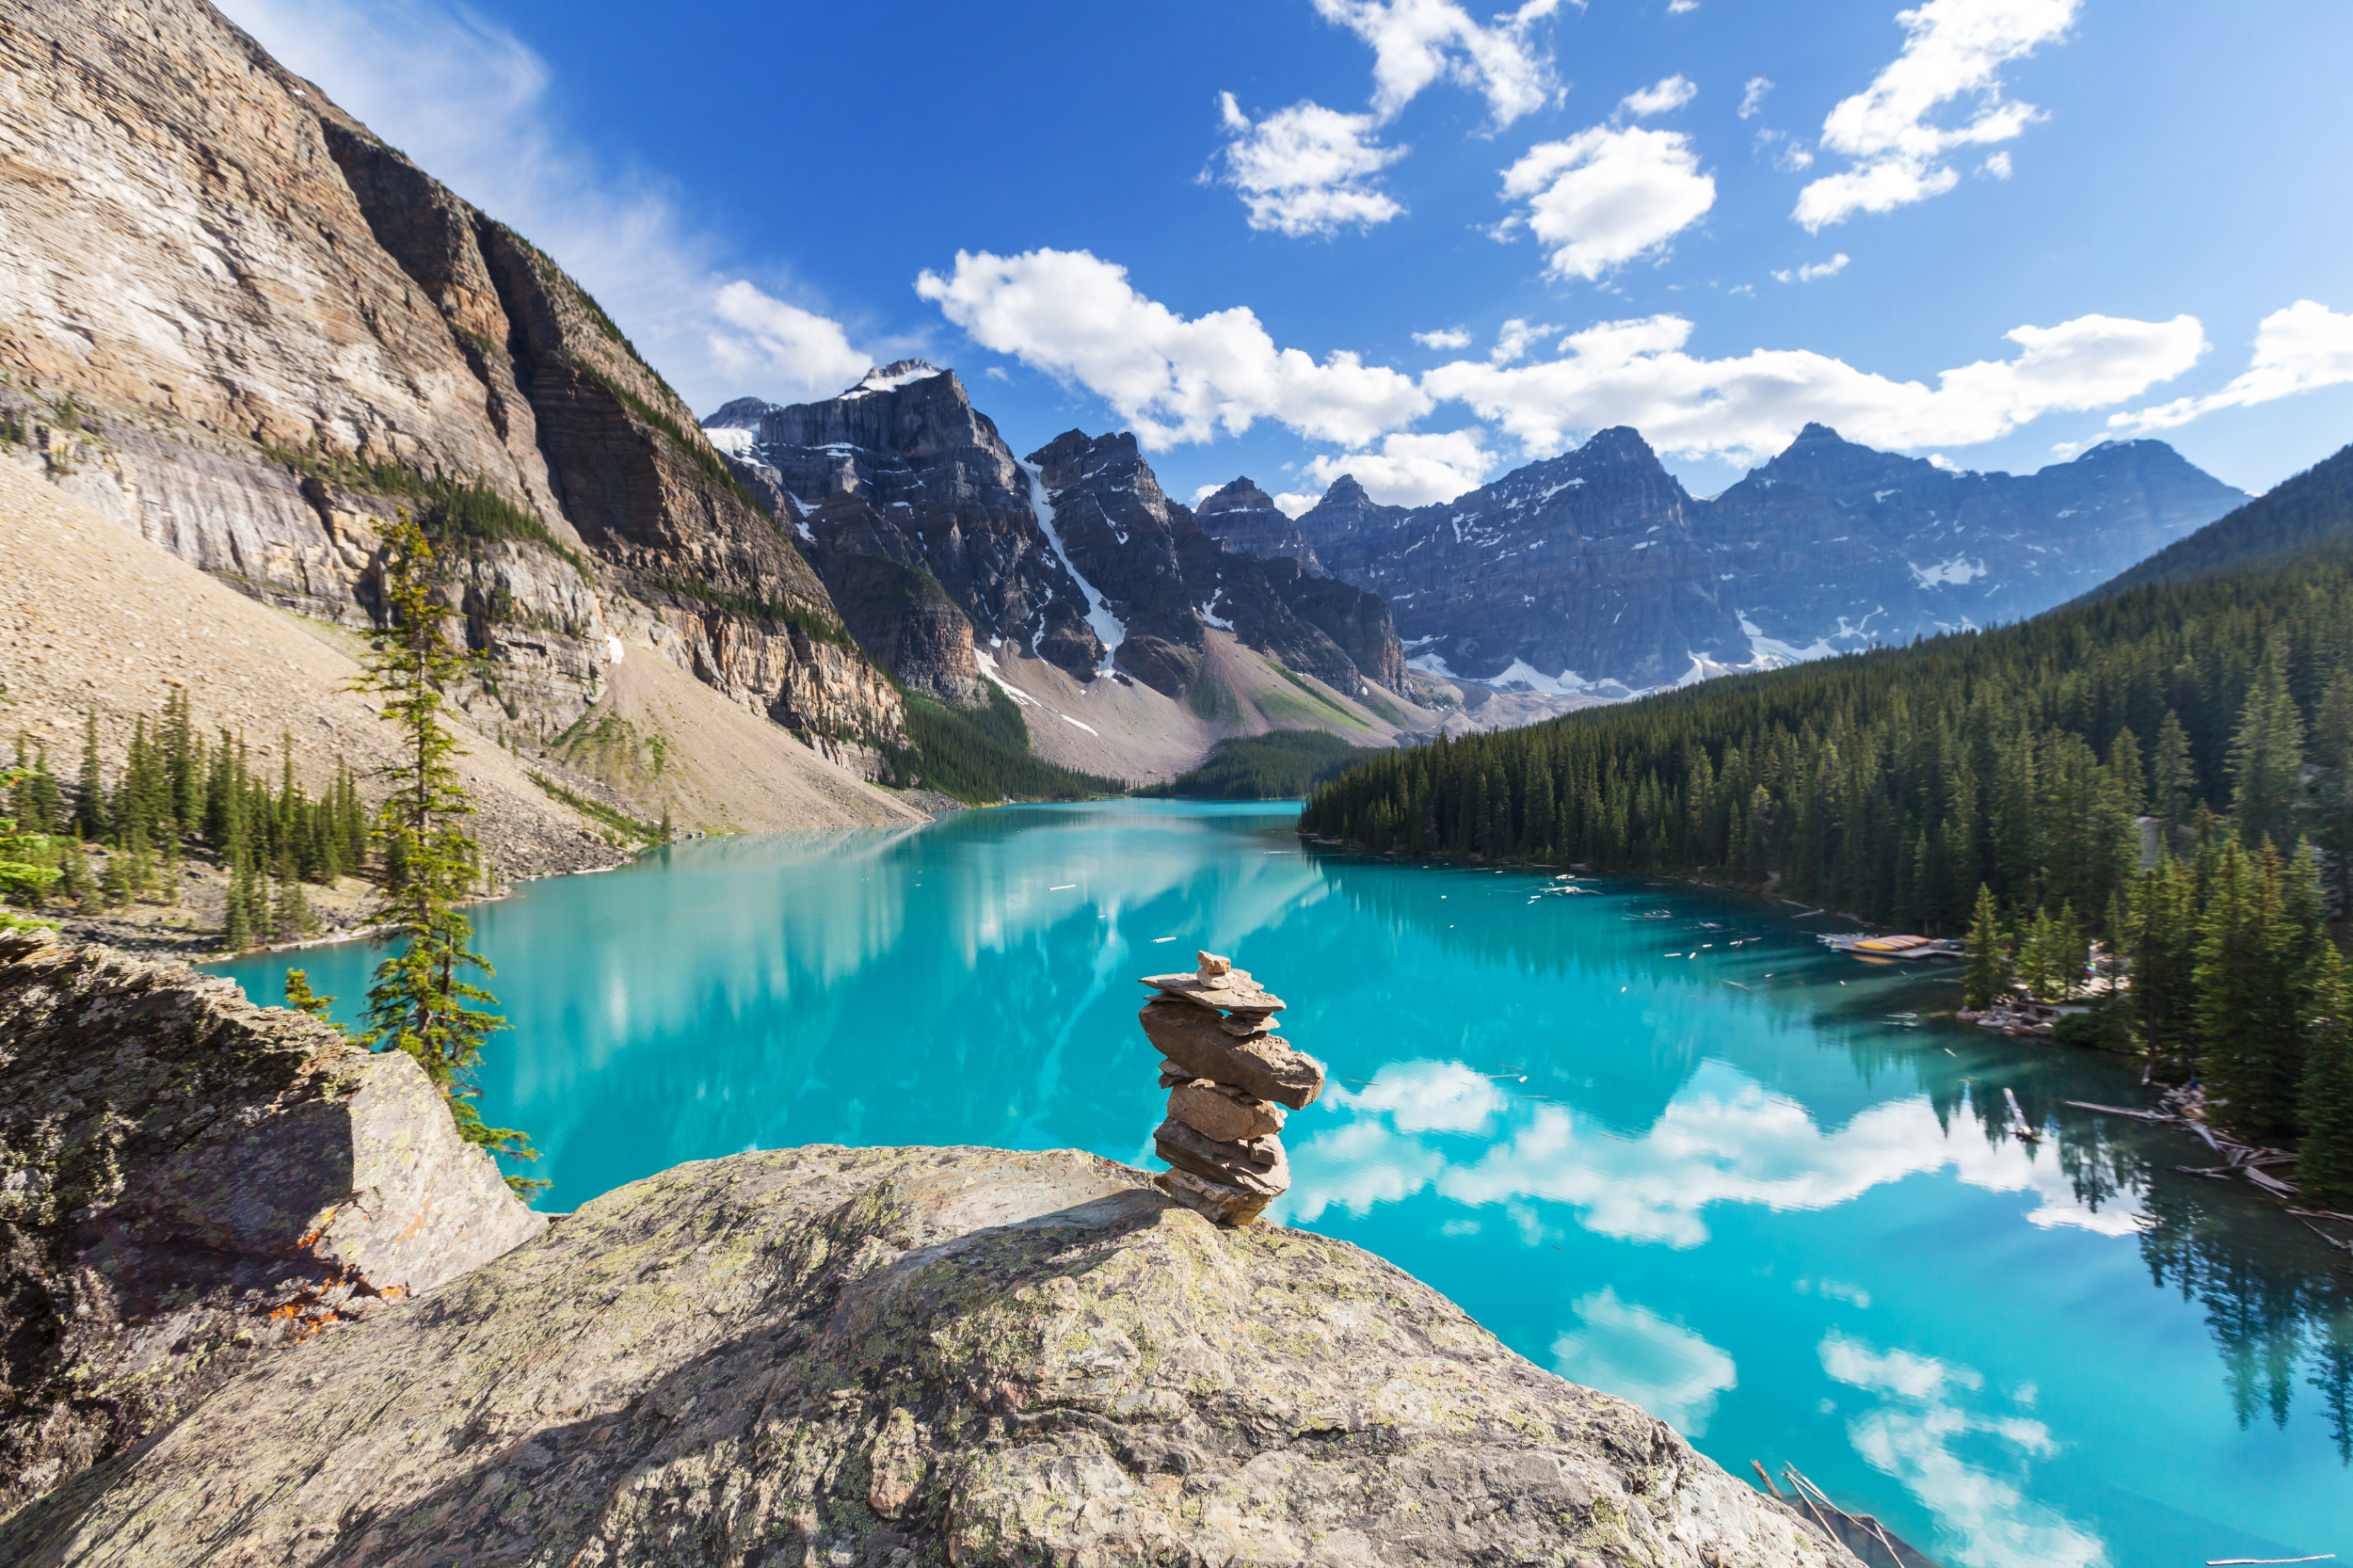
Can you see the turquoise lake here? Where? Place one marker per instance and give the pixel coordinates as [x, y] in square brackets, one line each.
[1658, 1141]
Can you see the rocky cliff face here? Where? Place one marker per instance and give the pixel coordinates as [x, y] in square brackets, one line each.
[941, 495]
[1246, 519]
[238, 323]
[193, 1184]
[1594, 573]
[909, 503]
[1161, 568]
[915, 1357]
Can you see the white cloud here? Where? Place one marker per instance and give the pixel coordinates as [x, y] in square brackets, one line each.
[2299, 349]
[465, 98]
[775, 343]
[1921, 1419]
[1811, 270]
[1515, 338]
[1412, 469]
[1304, 170]
[1075, 316]
[1746, 407]
[1631, 1351]
[1671, 93]
[1752, 96]
[1999, 165]
[1952, 48]
[1787, 155]
[1606, 196]
[1676, 7]
[997, 373]
[1417, 42]
[1445, 337]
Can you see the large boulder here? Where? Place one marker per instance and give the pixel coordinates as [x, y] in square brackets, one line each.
[913, 1356]
[190, 1183]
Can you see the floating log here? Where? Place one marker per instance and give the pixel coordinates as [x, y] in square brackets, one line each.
[2270, 1184]
[2018, 1126]
[2254, 1561]
[2119, 1110]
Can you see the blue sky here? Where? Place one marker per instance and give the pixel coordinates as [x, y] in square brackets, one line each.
[1993, 231]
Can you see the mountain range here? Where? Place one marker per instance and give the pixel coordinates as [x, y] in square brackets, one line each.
[1595, 573]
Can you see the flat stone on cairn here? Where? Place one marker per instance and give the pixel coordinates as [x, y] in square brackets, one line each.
[1229, 1079]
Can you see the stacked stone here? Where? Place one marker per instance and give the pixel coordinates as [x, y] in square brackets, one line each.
[1230, 1082]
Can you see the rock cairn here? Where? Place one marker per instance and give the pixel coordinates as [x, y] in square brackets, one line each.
[1230, 1082]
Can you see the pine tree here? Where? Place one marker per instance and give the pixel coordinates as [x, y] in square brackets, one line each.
[302, 998]
[666, 822]
[89, 803]
[1988, 979]
[2254, 972]
[420, 1000]
[2268, 757]
[2175, 792]
[2324, 1167]
[2163, 945]
[2332, 791]
[76, 885]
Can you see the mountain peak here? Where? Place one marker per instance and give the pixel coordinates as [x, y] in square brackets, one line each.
[1241, 495]
[1345, 492]
[890, 377]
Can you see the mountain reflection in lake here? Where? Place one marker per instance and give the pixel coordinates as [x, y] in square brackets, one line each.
[1762, 1189]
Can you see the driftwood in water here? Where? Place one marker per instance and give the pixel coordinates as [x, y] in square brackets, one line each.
[1871, 1542]
[2018, 1126]
[2119, 1110]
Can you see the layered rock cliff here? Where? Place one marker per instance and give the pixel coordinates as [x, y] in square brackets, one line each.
[236, 322]
[1595, 573]
[193, 1184]
[914, 1357]
[909, 503]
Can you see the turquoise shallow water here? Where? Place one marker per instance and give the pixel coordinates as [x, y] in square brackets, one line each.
[1696, 1160]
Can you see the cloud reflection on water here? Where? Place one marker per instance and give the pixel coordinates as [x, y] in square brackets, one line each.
[1722, 1139]
[1669, 1369]
[1914, 1435]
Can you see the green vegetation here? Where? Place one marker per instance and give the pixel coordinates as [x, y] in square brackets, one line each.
[597, 810]
[449, 511]
[983, 757]
[2312, 508]
[1994, 781]
[175, 793]
[420, 1001]
[1284, 765]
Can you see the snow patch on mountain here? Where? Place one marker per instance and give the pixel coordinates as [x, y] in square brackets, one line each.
[1109, 628]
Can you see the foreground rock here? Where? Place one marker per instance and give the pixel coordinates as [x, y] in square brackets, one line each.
[904, 1356]
[191, 1183]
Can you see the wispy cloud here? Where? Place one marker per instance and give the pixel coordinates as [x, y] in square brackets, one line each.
[1752, 96]
[1952, 49]
[1812, 270]
[2299, 349]
[466, 100]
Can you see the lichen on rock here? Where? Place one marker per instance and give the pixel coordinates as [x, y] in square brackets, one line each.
[914, 1356]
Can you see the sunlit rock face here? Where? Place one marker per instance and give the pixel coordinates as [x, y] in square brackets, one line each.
[242, 326]
[1596, 571]
[922, 1356]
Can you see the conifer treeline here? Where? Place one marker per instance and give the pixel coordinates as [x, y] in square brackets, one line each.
[1891, 784]
[176, 791]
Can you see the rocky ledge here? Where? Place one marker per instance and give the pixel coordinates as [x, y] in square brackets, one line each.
[912, 1356]
[189, 1184]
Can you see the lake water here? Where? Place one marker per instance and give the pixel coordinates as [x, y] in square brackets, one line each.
[1658, 1141]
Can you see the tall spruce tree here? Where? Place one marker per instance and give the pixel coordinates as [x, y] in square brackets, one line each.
[1987, 978]
[2253, 978]
[2332, 791]
[2268, 757]
[423, 1000]
[2173, 778]
[2324, 1167]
